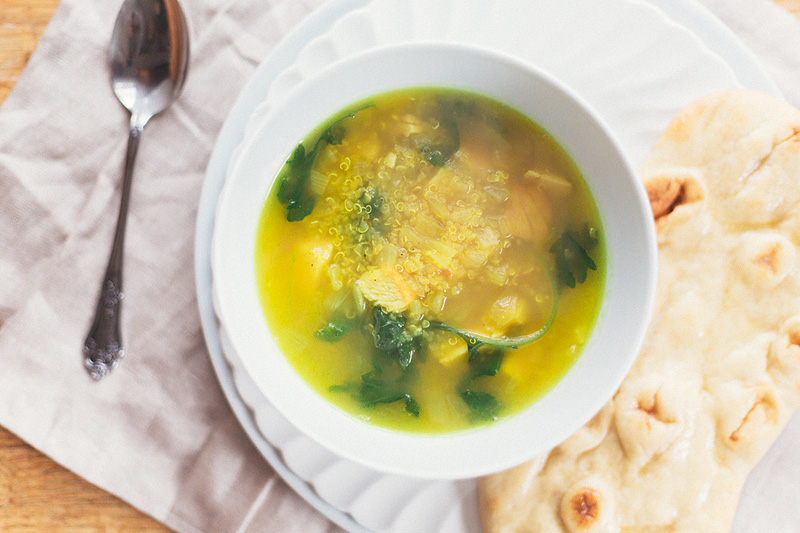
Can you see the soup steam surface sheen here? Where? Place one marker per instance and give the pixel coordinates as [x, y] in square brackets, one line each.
[430, 260]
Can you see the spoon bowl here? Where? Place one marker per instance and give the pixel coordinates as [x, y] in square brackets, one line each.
[149, 56]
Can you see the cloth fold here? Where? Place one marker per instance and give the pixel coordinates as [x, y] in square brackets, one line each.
[158, 432]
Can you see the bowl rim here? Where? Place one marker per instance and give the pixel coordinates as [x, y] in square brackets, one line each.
[442, 456]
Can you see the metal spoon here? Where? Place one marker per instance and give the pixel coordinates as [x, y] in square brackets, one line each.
[149, 55]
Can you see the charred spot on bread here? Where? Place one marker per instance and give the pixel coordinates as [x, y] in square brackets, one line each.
[585, 506]
[667, 192]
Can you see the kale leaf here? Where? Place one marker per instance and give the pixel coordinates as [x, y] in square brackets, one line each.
[486, 363]
[483, 404]
[375, 389]
[572, 260]
[371, 198]
[335, 134]
[391, 337]
[293, 190]
[437, 145]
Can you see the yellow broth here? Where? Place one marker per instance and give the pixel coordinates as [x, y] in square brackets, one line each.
[418, 208]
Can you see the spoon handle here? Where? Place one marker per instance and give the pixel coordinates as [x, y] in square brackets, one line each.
[102, 349]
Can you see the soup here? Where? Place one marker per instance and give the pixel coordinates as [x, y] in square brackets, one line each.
[430, 260]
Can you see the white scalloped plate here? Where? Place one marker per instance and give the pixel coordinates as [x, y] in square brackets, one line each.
[632, 63]
[619, 56]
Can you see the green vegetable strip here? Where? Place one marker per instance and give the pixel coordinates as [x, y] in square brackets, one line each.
[500, 342]
[334, 330]
[476, 340]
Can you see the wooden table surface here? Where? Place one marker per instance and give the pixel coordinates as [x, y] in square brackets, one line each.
[36, 494]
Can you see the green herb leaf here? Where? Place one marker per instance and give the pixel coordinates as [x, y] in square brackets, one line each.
[391, 337]
[438, 144]
[334, 330]
[375, 390]
[412, 407]
[335, 134]
[291, 179]
[483, 404]
[473, 347]
[475, 341]
[371, 201]
[346, 387]
[486, 363]
[293, 189]
[572, 260]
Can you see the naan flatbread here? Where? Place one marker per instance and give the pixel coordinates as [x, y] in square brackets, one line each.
[718, 376]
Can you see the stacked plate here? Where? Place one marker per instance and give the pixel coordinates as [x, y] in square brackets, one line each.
[636, 62]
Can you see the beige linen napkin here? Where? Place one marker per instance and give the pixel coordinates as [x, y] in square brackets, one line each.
[158, 432]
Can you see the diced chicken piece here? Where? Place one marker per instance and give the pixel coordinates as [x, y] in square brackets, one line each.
[528, 215]
[487, 237]
[441, 179]
[477, 154]
[387, 289]
[506, 311]
[441, 260]
[368, 147]
[410, 124]
[448, 353]
[439, 208]
[550, 183]
[390, 160]
[474, 258]
[481, 145]
[497, 275]
[428, 226]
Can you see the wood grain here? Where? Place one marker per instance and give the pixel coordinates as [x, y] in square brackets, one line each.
[21, 24]
[792, 6]
[36, 494]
